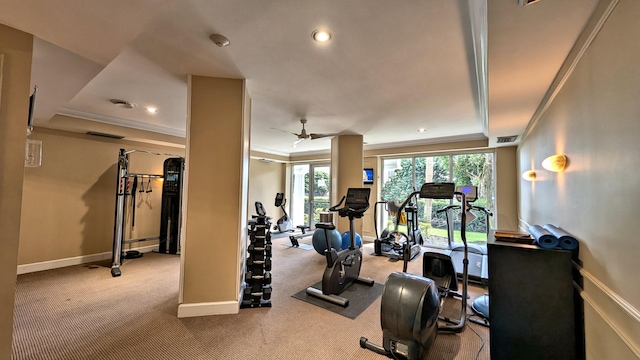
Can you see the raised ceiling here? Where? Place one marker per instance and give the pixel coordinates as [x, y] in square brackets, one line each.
[462, 69]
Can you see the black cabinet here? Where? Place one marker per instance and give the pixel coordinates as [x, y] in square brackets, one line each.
[531, 303]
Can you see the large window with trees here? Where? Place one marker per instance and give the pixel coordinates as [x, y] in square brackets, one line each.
[402, 176]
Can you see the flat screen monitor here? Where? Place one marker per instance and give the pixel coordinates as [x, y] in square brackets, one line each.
[367, 176]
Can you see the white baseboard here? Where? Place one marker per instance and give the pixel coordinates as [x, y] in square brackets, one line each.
[208, 309]
[368, 239]
[77, 260]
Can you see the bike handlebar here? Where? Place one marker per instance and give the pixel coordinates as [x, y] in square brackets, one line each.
[335, 207]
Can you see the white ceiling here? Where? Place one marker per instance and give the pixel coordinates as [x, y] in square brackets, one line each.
[461, 69]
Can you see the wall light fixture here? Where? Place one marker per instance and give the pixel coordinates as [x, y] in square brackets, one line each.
[555, 163]
[529, 175]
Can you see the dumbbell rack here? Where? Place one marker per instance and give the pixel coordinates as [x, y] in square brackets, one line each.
[257, 286]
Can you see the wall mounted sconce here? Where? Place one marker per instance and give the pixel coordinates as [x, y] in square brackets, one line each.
[529, 175]
[555, 163]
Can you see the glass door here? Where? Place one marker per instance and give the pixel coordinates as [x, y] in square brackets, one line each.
[299, 194]
[319, 192]
[310, 198]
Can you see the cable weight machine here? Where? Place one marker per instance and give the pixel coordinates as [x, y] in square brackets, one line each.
[171, 200]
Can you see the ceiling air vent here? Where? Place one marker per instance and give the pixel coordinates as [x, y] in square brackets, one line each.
[123, 103]
[507, 139]
[110, 136]
[527, 2]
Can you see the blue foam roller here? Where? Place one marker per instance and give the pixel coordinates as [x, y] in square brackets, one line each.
[543, 238]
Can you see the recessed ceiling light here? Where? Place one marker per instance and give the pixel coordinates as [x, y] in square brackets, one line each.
[152, 109]
[321, 35]
[422, 130]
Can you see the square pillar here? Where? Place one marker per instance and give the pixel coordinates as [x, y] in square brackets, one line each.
[346, 172]
[16, 49]
[215, 210]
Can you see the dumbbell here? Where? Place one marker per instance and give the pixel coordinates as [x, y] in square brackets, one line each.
[250, 277]
[252, 261]
[267, 250]
[256, 248]
[266, 292]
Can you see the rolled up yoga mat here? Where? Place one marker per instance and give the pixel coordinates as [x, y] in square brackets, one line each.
[566, 241]
[543, 238]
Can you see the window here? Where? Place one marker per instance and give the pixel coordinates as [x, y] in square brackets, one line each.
[402, 176]
[310, 198]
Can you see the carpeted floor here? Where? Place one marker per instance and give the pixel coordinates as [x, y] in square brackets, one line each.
[81, 312]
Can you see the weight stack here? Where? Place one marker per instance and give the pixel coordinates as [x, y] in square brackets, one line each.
[257, 279]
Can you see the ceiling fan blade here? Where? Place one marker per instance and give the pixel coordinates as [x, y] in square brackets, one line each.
[318, 136]
[285, 131]
[297, 141]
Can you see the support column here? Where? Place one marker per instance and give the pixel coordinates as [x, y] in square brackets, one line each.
[216, 190]
[16, 48]
[346, 171]
[506, 178]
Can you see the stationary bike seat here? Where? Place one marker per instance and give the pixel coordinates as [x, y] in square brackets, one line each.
[325, 225]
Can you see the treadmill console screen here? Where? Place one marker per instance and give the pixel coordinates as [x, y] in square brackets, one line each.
[437, 190]
[470, 192]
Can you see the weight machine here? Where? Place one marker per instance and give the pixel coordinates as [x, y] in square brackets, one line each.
[171, 206]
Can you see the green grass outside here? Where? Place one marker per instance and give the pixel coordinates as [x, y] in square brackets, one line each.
[472, 237]
[479, 237]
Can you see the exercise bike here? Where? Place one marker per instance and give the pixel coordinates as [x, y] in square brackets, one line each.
[343, 268]
[411, 306]
[284, 222]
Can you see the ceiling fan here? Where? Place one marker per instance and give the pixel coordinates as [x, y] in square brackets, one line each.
[303, 134]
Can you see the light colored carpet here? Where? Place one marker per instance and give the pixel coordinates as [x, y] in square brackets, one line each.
[81, 312]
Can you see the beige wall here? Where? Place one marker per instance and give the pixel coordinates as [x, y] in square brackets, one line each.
[265, 180]
[68, 203]
[595, 121]
[15, 69]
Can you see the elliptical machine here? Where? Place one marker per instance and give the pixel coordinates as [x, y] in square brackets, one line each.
[394, 244]
[343, 268]
[284, 222]
[411, 305]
